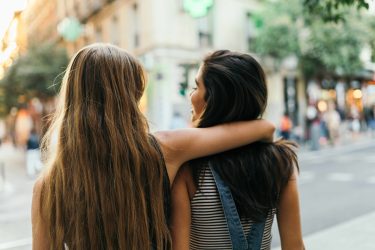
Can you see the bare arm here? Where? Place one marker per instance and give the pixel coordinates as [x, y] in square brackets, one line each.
[39, 231]
[183, 145]
[288, 217]
[181, 217]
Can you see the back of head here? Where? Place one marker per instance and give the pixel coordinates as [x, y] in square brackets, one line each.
[103, 167]
[235, 88]
[235, 91]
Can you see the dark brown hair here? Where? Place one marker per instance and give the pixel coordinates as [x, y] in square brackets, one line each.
[235, 91]
[105, 179]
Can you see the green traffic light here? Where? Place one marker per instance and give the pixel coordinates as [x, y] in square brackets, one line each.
[182, 92]
[197, 8]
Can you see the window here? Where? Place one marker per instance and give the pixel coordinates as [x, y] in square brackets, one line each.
[205, 30]
[98, 34]
[135, 21]
[250, 31]
[115, 34]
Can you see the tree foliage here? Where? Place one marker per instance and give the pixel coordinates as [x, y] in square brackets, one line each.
[37, 73]
[332, 10]
[278, 35]
[322, 48]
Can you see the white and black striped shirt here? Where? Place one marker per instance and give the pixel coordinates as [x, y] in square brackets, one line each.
[209, 228]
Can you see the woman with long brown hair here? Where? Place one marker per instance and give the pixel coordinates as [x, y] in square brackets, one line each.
[228, 200]
[107, 180]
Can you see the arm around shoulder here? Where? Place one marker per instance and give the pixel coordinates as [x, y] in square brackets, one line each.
[183, 145]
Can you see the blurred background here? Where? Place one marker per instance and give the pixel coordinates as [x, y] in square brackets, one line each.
[319, 57]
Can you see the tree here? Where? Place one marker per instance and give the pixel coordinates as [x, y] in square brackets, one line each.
[332, 10]
[334, 49]
[277, 37]
[323, 48]
[37, 73]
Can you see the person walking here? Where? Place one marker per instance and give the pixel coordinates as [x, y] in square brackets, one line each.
[332, 120]
[33, 160]
[229, 200]
[286, 126]
[107, 179]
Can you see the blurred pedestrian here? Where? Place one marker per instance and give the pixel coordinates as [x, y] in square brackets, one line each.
[23, 126]
[315, 126]
[107, 180]
[229, 200]
[286, 126]
[332, 120]
[33, 160]
[372, 120]
[2, 131]
[355, 123]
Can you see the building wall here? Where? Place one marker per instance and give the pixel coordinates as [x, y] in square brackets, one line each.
[162, 36]
[13, 43]
[41, 21]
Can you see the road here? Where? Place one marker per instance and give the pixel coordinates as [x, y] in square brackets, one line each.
[337, 187]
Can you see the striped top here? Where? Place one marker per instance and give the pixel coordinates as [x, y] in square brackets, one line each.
[208, 224]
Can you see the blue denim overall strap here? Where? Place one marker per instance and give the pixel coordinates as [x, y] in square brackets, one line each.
[239, 241]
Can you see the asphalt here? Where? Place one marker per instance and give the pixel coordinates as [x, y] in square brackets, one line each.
[337, 185]
[15, 202]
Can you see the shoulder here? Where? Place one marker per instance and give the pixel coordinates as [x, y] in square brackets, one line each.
[165, 140]
[172, 147]
[37, 192]
[38, 186]
[39, 228]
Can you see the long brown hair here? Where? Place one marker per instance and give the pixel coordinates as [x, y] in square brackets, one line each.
[105, 179]
[257, 173]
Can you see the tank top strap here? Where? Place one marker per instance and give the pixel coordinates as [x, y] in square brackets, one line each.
[239, 241]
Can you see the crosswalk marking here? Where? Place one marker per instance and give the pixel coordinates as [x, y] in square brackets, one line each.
[371, 180]
[310, 176]
[344, 177]
[306, 176]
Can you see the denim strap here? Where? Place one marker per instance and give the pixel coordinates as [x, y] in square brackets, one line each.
[238, 238]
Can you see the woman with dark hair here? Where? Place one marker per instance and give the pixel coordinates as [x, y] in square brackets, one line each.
[106, 185]
[228, 200]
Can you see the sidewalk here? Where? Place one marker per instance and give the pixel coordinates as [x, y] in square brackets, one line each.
[355, 234]
[360, 141]
[15, 200]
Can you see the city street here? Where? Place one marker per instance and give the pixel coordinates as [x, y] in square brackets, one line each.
[15, 201]
[102, 66]
[336, 185]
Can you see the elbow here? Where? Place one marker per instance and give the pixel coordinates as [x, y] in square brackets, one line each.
[270, 131]
[272, 128]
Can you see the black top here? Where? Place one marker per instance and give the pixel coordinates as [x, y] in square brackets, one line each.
[33, 142]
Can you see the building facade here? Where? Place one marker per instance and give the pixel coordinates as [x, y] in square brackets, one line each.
[41, 20]
[169, 41]
[13, 43]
